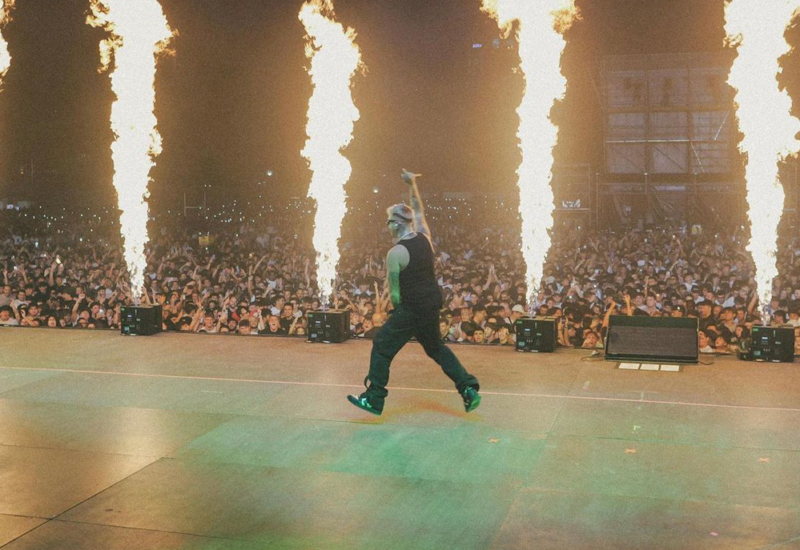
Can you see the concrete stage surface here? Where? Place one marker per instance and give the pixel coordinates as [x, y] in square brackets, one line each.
[220, 442]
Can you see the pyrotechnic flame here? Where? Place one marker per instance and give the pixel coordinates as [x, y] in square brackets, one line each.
[5, 16]
[539, 28]
[331, 115]
[138, 33]
[764, 117]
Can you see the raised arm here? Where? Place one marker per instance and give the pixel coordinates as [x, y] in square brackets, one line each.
[420, 223]
[51, 276]
[378, 300]
[607, 317]
[751, 307]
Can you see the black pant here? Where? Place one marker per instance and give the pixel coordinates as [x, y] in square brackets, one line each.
[398, 330]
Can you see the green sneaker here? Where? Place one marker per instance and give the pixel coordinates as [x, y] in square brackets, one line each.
[471, 399]
[363, 403]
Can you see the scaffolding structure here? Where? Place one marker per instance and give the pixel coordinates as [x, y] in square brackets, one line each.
[670, 139]
[575, 194]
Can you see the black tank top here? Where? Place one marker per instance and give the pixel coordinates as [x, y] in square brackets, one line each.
[419, 289]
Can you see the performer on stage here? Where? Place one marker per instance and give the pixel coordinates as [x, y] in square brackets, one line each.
[416, 298]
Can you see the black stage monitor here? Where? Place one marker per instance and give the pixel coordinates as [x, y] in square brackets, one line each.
[645, 338]
[536, 334]
[140, 320]
[331, 326]
[773, 344]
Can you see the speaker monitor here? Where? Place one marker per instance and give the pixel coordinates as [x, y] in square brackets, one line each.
[773, 344]
[645, 338]
[140, 320]
[536, 334]
[332, 326]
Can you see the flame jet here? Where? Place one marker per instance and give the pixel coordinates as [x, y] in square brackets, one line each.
[331, 115]
[540, 25]
[763, 111]
[5, 16]
[138, 33]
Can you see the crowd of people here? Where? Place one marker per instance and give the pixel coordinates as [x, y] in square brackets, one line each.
[256, 275]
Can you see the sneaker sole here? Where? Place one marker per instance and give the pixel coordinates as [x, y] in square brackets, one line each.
[475, 403]
[357, 403]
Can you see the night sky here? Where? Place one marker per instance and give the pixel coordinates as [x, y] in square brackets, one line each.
[232, 102]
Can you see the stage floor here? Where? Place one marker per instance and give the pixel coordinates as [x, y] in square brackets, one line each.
[214, 442]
